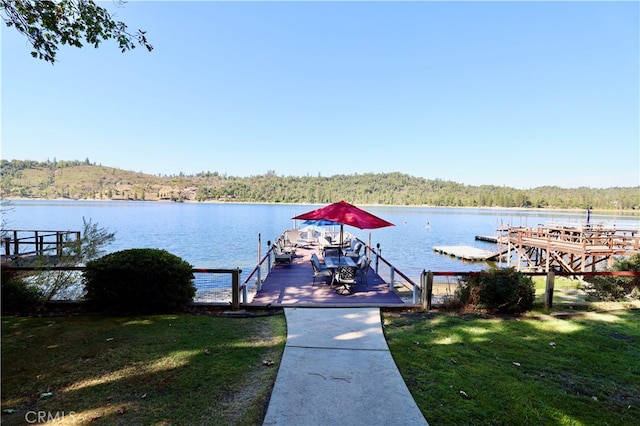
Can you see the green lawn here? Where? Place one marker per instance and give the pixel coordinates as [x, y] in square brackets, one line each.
[161, 370]
[196, 369]
[582, 370]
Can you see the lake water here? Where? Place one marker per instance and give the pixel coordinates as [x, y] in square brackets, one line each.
[209, 235]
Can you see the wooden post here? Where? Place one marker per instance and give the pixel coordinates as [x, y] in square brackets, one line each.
[259, 278]
[7, 246]
[548, 295]
[428, 291]
[235, 290]
[269, 257]
[59, 243]
[392, 277]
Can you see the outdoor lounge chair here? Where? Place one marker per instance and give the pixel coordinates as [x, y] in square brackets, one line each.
[294, 239]
[281, 244]
[280, 257]
[326, 244]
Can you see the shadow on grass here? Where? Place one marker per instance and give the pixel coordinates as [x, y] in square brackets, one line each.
[166, 369]
[490, 371]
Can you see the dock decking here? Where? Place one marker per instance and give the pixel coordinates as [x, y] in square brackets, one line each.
[294, 286]
[467, 252]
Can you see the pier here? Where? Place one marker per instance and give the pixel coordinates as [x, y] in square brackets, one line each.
[569, 247]
[28, 245]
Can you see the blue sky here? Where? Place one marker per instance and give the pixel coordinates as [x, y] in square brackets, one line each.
[520, 94]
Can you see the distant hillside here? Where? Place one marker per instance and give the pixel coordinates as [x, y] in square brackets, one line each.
[83, 180]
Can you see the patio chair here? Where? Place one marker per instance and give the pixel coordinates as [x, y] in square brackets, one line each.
[345, 277]
[319, 270]
[354, 250]
[280, 257]
[362, 270]
[320, 262]
[331, 252]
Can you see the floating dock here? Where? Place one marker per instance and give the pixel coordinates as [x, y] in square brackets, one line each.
[467, 252]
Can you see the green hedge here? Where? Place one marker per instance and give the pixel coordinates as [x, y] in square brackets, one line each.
[139, 281]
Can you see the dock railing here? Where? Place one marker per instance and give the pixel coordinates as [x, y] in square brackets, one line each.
[398, 282]
[20, 243]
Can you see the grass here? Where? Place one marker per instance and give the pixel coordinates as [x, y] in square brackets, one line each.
[581, 370]
[161, 370]
[195, 369]
[566, 291]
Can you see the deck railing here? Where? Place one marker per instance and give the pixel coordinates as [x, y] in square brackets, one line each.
[400, 283]
[223, 287]
[18, 243]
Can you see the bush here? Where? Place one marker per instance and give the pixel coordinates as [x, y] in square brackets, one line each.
[19, 296]
[498, 291]
[602, 288]
[139, 281]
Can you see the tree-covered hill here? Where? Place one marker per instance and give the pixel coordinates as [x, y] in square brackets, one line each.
[84, 180]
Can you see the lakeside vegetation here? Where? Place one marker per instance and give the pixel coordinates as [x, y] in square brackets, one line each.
[85, 180]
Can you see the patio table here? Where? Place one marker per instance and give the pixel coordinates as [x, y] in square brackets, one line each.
[333, 263]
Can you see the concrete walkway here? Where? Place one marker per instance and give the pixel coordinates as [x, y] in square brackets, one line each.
[337, 370]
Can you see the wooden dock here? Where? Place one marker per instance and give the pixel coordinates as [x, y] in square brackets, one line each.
[570, 247]
[467, 253]
[295, 287]
[27, 246]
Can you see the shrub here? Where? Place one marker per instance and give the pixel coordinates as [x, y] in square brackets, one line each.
[498, 291]
[18, 295]
[604, 288]
[139, 281]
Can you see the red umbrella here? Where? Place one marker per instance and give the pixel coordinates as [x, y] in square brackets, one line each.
[345, 214]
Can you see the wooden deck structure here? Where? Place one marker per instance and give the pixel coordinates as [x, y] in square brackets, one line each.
[294, 286]
[25, 246]
[569, 247]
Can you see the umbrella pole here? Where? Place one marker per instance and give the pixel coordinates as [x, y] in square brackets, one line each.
[340, 248]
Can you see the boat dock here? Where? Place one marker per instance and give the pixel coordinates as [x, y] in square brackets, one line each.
[488, 238]
[467, 252]
[295, 286]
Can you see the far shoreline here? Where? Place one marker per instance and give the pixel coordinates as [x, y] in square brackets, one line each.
[630, 212]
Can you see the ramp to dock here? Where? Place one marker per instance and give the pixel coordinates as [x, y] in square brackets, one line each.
[337, 370]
